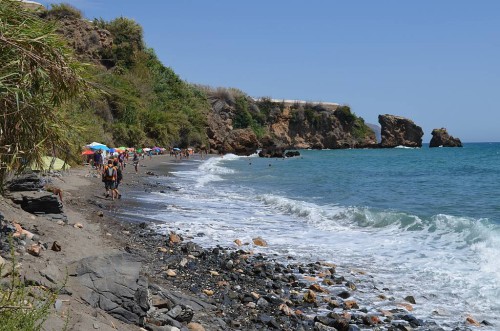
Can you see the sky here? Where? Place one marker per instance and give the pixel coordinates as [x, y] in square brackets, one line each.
[434, 62]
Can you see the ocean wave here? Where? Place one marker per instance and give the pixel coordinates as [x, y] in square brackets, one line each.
[333, 217]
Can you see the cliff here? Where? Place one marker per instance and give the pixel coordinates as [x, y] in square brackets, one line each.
[282, 125]
[440, 137]
[399, 131]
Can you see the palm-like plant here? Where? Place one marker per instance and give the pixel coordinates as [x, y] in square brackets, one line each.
[37, 75]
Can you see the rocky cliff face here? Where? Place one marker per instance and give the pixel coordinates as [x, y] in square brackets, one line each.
[285, 126]
[440, 137]
[83, 36]
[399, 131]
[320, 128]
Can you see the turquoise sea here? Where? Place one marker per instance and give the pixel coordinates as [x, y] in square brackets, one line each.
[422, 222]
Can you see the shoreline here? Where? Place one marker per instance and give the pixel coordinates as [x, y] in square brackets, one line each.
[235, 287]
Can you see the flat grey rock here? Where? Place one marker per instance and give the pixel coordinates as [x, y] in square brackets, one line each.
[113, 283]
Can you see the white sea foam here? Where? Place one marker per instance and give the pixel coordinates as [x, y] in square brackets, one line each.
[448, 261]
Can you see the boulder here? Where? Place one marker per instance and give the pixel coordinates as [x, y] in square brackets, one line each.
[37, 202]
[113, 283]
[399, 131]
[241, 142]
[29, 182]
[441, 138]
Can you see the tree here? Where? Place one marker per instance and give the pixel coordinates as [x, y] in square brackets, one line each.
[38, 73]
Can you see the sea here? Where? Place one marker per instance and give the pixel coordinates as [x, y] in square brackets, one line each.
[414, 221]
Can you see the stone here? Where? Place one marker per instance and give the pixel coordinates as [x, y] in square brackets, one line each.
[2, 261]
[170, 273]
[262, 302]
[34, 250]
[192, 326]
[37, 202]
[407, 306]
[350, 304]
[78, 226]
[317, 288]
[321, 327]
[56, 247]
[30, 182]
[344, 294]
[124, 296]
[58, 304]
[238, 242]
[410, 299]
[100, 213]
[371, 319]
[259, 242]
[286, 310]
[160, 303]
[310, 296]
[214, 273]
[174, 238]
[208, 292]
[162, 250]
[441, 138]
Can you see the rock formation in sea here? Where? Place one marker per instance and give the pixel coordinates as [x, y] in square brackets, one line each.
[440, 137]
[399, 131]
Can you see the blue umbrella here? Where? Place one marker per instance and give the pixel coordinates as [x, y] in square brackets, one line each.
[176, 149]
[100, 147]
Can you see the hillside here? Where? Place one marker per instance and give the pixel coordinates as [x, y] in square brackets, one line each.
[138, 101]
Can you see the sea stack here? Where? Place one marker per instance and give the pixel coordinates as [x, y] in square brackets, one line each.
[399, 131]
[441, 138]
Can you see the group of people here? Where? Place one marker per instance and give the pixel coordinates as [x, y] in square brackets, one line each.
[112, 174]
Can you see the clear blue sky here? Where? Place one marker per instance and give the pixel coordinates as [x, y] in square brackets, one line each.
[436, 62]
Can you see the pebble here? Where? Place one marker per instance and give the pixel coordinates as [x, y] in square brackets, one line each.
[208, 292]
[410, 299]
[310, 296]
[195, 327]
[170, 273]
[259, 242]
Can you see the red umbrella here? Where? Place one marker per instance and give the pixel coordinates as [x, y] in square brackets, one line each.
[87, 152]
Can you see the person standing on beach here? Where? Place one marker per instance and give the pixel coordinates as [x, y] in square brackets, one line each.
[109, 178]
[136, 161]
[97, 160]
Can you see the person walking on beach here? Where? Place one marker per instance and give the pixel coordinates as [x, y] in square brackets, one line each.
[136, 161]
[109, 178]
[119, 177]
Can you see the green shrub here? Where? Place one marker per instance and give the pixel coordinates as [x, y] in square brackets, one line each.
[61, 11]
[23, 308]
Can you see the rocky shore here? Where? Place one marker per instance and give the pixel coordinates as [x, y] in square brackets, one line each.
[118, 274]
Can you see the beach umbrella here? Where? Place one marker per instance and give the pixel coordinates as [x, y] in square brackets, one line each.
[57, 164]
[139, 150]
[123, 148]
[87, 152]
[146, 149]
[99, 147]
[112, 150]
[176, 149]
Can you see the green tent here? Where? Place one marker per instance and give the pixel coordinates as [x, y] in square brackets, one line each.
[47, 162]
